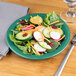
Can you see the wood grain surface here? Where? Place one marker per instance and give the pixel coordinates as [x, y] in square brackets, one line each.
[13, 65]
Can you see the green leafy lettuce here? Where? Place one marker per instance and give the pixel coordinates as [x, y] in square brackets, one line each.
[23, 48]
[50, 18]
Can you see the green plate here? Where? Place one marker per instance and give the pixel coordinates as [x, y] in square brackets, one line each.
[34, 57]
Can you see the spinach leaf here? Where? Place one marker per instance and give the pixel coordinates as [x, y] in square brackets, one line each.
[43, 23]
[17, 42]
[56, 44]
[23, 48]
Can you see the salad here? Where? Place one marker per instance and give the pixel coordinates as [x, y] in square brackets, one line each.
[37, 35]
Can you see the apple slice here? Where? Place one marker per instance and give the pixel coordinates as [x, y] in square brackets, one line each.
[39, 48]
[38, 36]
[55, 35]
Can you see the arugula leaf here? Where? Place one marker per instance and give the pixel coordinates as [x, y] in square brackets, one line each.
[31, 52]
[28, 46]
[47, 21]
[18, 26]
[15, 31]
[34, 52]
[23, 48]
[48, 15]
[43, 23]
[12, 38]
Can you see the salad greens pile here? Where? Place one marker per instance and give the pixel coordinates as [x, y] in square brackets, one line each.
[50, 18]
[38, 36]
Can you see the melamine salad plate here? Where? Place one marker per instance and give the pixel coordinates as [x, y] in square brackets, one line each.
[44, 22]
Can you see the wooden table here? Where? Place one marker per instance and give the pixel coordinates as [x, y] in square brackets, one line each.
[13, 65]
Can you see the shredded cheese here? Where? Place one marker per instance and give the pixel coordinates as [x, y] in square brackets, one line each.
[48, 28]
[41, 38]
[61, 37]
[34, 43]
[34, 49]
[54, 22]
[47, 40]
[36, 20]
